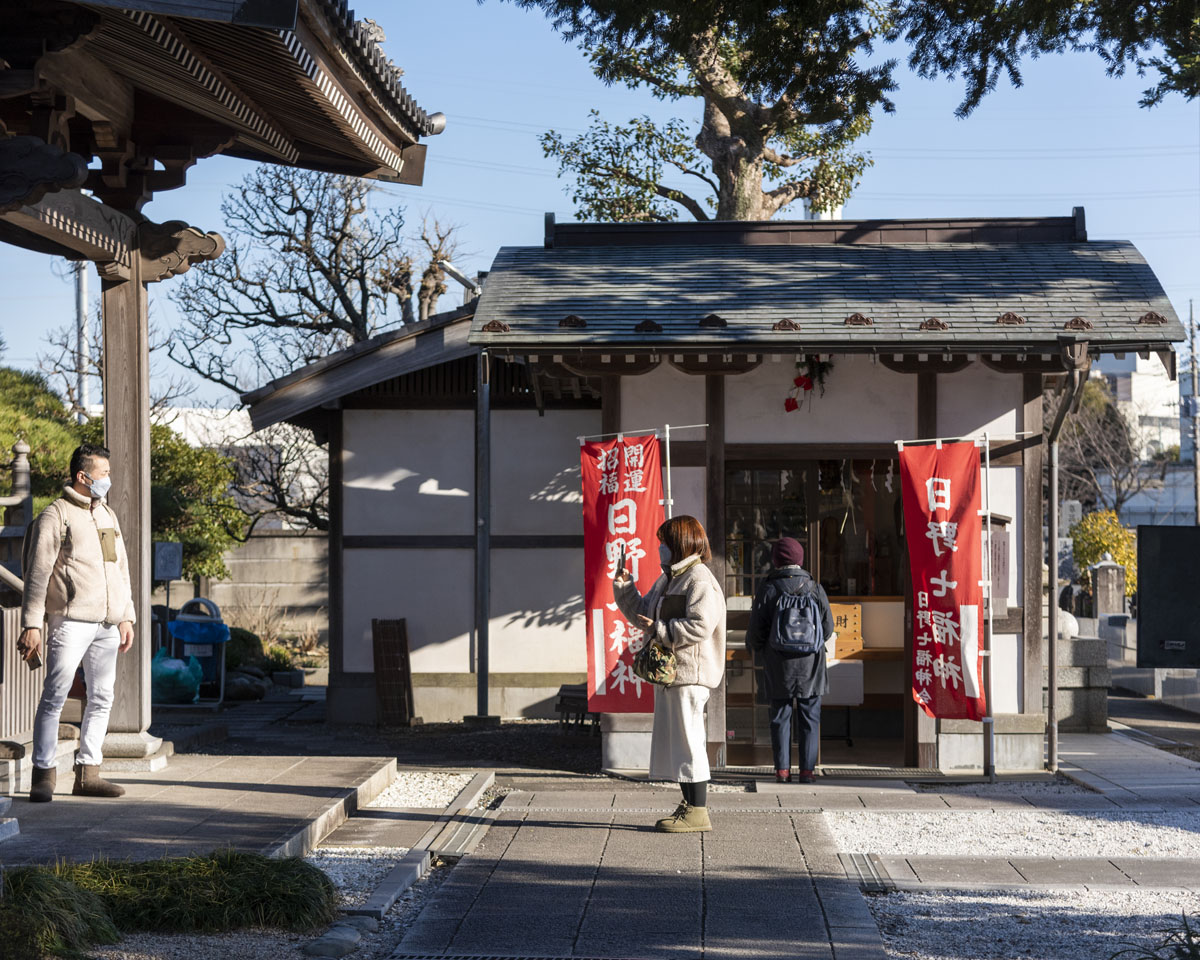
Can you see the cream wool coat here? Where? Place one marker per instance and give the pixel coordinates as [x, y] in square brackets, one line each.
[698, 638]
[71, 576]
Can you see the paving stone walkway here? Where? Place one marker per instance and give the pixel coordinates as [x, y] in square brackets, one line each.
[197, 804]
[582, 873]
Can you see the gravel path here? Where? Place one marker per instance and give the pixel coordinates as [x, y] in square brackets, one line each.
[416, 788]
[1019, 833]
[1090, 925]
[356, 871]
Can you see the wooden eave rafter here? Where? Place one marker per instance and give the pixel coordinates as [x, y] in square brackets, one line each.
[190, 79]
[366, 95]
[338, 103]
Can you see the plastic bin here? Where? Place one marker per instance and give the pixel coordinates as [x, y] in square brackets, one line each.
[200, 632]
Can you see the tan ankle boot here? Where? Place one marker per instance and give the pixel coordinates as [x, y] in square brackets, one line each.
[88, 783]
[41, 787]
[687, 820]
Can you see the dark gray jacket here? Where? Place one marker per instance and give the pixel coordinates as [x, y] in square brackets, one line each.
[787, 675]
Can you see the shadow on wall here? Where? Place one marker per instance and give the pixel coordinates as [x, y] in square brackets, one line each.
[566, 614]
[563, 487]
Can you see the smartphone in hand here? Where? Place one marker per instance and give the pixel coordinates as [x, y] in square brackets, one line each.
[34, 661]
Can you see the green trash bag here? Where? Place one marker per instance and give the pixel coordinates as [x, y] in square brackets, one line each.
[172, 680]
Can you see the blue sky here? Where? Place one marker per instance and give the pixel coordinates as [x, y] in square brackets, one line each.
[1070, 136]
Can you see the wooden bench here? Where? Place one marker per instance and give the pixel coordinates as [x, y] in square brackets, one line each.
[572, 708]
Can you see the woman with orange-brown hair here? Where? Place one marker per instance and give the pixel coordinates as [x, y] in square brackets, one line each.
[685, 613]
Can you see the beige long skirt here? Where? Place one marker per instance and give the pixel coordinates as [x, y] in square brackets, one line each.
[679, 744]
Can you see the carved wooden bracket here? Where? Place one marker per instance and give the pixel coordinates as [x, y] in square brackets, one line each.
[714, 320]
[933, 323]
[1078, 323]
[785, 324]
[1152, 317]
[858, 320]
[30, 168]
[1010, 318]
[495, 326]
[573, 321]
[648, 326]
[169, 249]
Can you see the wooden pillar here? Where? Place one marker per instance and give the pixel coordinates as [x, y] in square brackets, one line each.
[1031, 547]
[610, 404]
[714, 523]
[126, 384]
[920, 730]
[337, 692]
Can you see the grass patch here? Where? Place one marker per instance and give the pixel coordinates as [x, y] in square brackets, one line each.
[52, 913]
[71, 906]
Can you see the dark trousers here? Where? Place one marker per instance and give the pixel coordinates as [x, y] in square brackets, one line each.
[809, 717]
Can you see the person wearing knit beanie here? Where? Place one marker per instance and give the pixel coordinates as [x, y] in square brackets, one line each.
[790, 678]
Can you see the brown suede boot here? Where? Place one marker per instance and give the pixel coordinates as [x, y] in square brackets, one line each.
[89, 784]
[41, 787]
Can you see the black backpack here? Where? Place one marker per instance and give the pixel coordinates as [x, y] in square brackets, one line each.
[796, 625]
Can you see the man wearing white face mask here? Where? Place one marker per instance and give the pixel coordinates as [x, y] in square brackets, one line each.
[77, 578]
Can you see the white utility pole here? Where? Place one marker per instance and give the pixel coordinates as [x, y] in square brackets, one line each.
[82, 350]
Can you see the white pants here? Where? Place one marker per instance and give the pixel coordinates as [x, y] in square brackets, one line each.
[69, 643]
[678, 745]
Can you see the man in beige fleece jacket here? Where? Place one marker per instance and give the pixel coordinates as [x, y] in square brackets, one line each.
[77, 578]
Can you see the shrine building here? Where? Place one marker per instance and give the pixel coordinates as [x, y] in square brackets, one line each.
[454, 453]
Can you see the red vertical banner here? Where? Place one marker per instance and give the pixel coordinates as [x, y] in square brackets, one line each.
[941, 490]
[622, 507]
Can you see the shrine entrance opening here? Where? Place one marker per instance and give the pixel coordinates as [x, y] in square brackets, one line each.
[847, 513]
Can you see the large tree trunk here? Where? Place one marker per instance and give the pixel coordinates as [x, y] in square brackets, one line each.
[737, 160]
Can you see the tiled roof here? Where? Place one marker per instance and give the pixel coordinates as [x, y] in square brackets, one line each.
[357, 40]
[785, 296]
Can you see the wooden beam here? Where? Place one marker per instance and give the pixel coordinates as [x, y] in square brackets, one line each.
[337, 584]
[934, 363]
[126, 383]
[717, 363]
[234, 105]
[1031, 552]
[100, 95]
[714, 522]
[610, 404]
[83, 226]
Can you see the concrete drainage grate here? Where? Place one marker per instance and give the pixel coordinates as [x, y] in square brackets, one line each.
[868, 868]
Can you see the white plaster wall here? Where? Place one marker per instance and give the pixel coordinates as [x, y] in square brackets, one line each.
[976, 399]
[864, 402]
[1008, 498]
[408, 471]
[537, 622]
[664, 395]
[535, 470]
[688, 492]
[1007, 673]
[431, 589]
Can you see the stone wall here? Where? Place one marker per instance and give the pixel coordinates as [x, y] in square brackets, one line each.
[277, 569]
